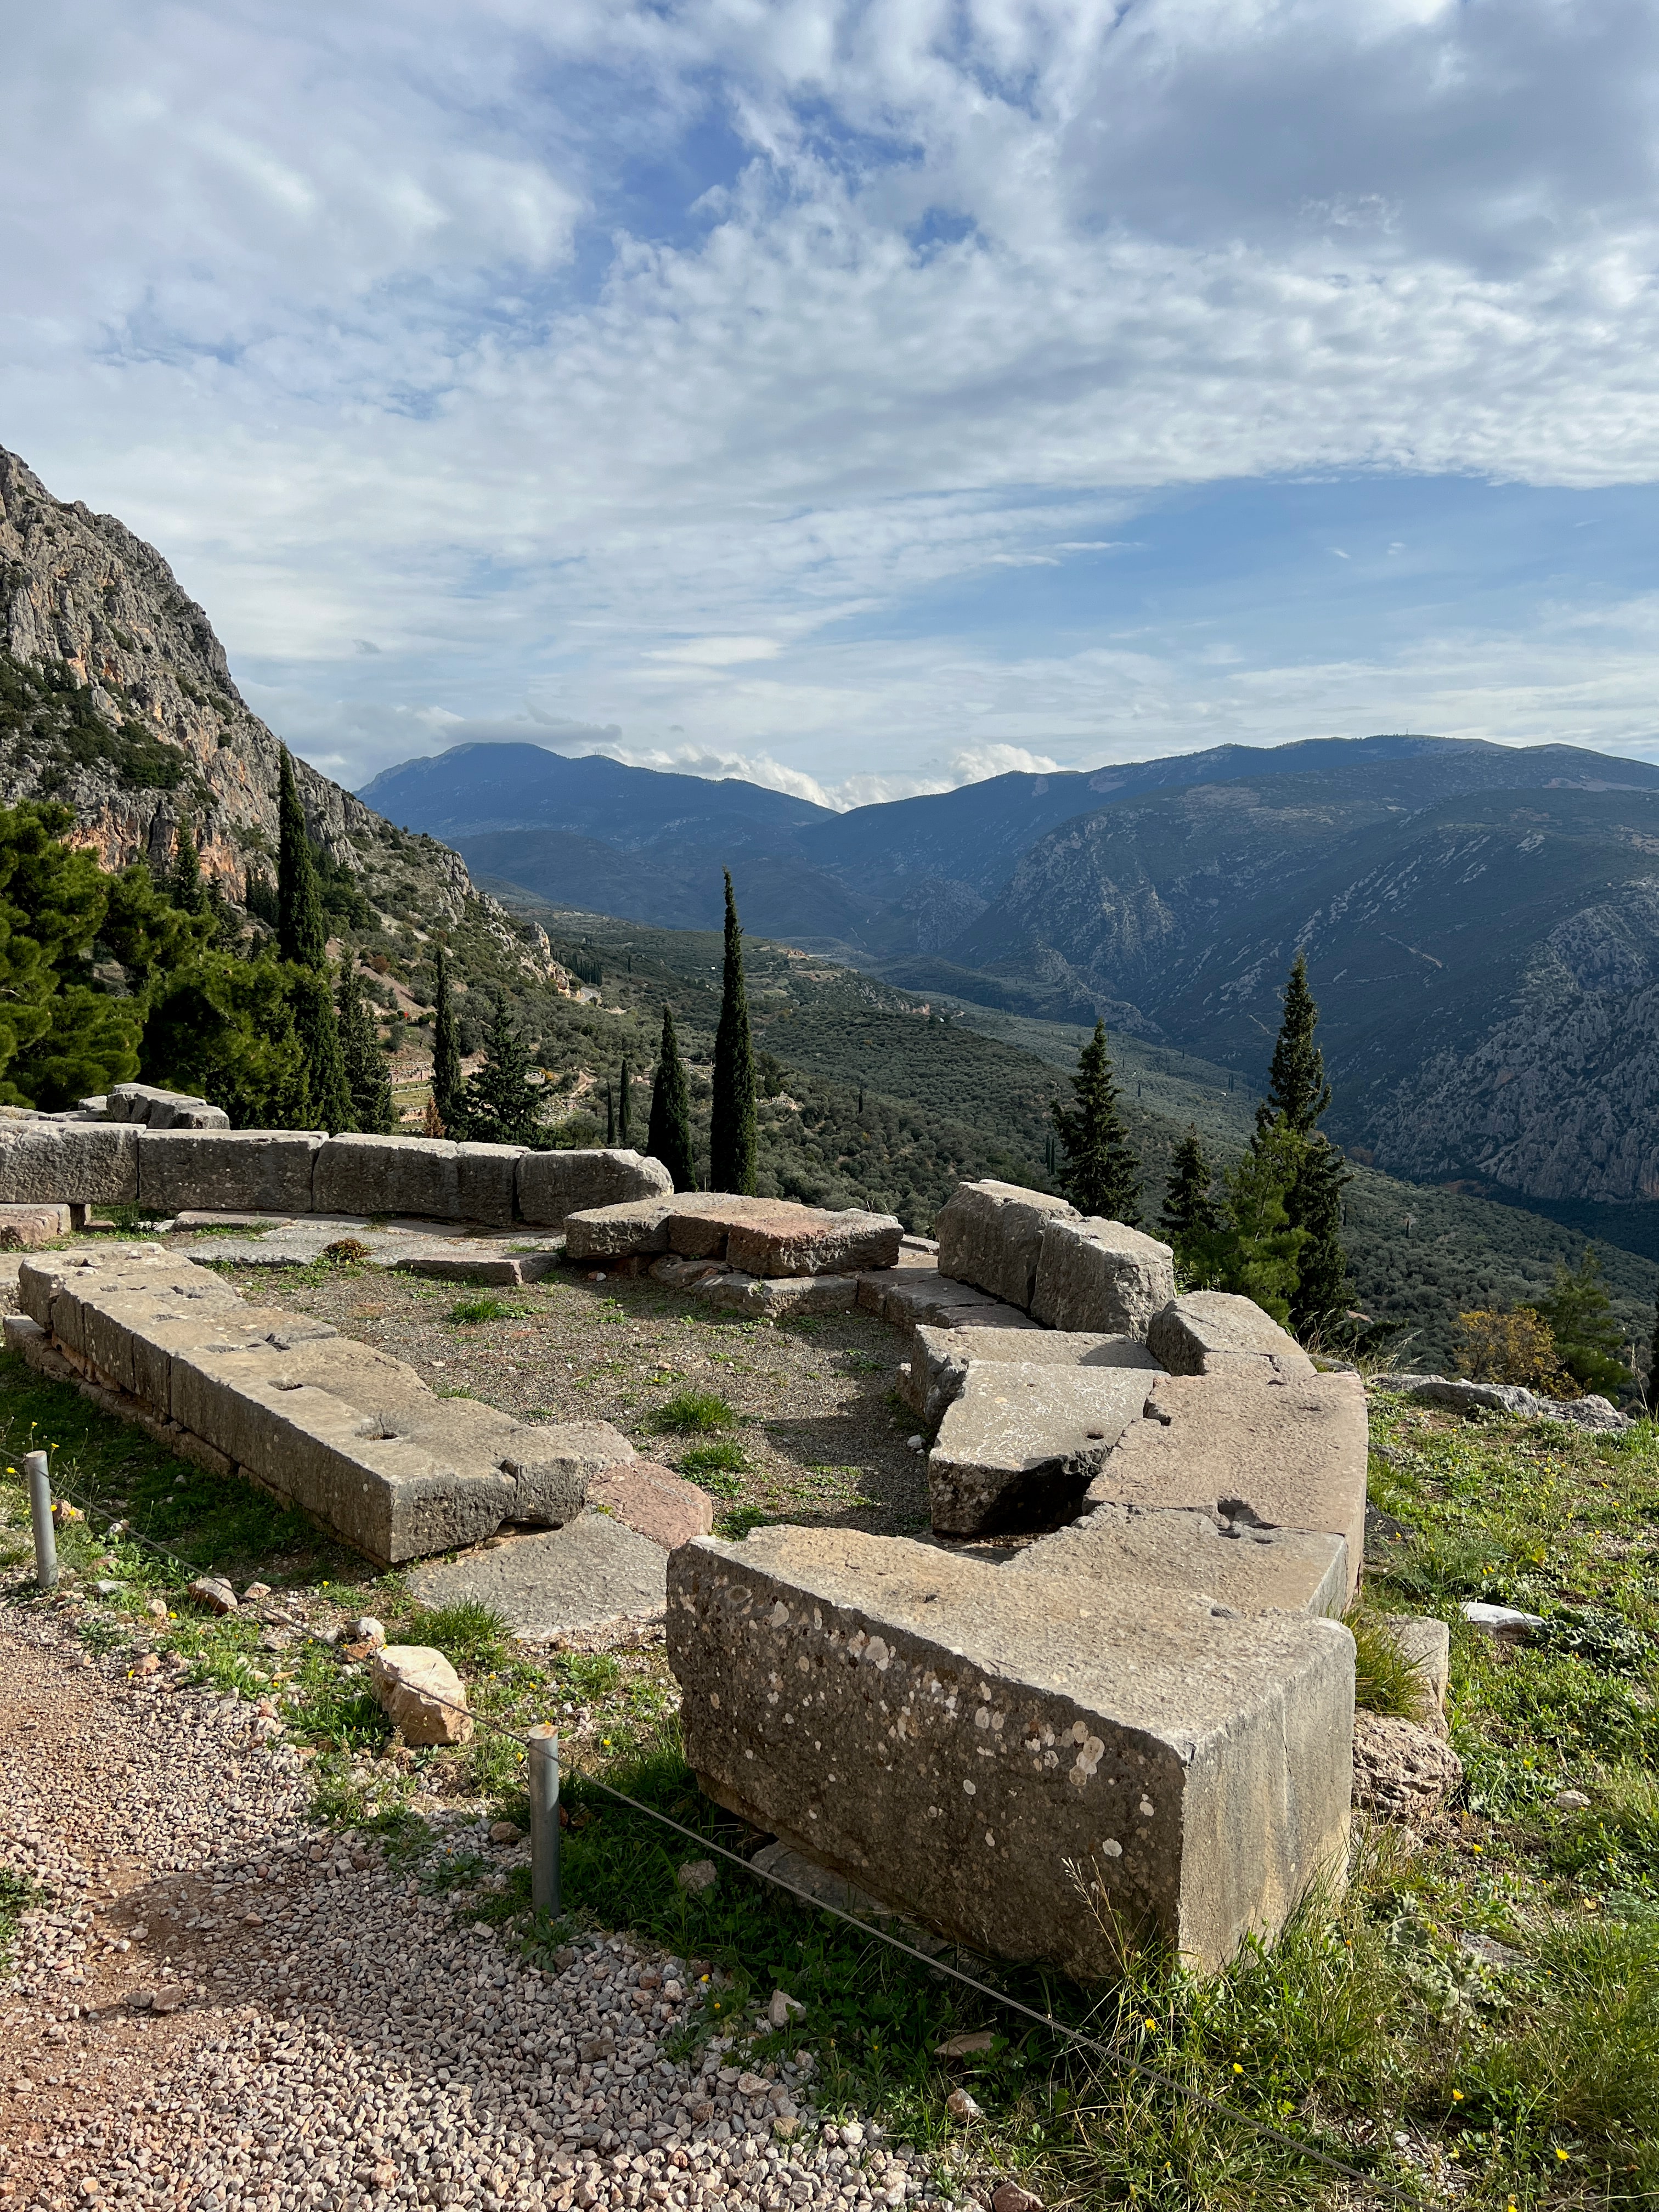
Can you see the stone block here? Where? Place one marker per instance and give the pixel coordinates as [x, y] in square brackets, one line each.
[1019, 1446]
[614, 1232]
[83, 1162]
[419, 1175]
[1195, 1333]
[811, 1243]
[990, 1233]
[554, 1466]
[767, 1299]
[488, 1180]
[654, 1502]
[26, 1228]
[1097, 1274]
[700, 1222]
[1402, 1771]
[1251, 1570]
[941, 1357]
[957, 1740]
[161, 1109]
[912, 1297]
[684, 1274]
[552, 1185]
[420, 1694]
[227, 1171]
[1250, 1445]
[593, 1571]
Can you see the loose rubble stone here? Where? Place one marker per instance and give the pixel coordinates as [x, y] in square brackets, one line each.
[161, 1109]
[1401, 1773]
[1425, 1642]
[990, 1233]
[1457, 1396]
[214, 1592]
[420, 1694]
[1097, 1274]
[26, 1228]
[1010, 2197]
[731, 1291]
[698, 1876]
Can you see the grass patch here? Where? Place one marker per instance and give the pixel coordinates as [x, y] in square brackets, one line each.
[17, 1894]
[1385, 1679]
[693, 1413]
[716, 1467]
[469, 1312]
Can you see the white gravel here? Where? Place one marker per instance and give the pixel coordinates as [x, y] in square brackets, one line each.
[339, 2041]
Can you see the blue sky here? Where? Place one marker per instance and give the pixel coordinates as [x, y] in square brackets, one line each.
[862, 395]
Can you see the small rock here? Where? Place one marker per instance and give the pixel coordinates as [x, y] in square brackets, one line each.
[504, 1831]
[254, 1592]
[1490, 1952]
[965, 2046]
[421, 1694]
[165, 2001]
[1506, 1622]
[916, 1443]
[148, 1664]
[752, 2084]
[1010, 2197]
[960, 2106]
[783, 2008]
[1401, 1772]
[852, 2134]
[107, 1589]
[697, 1875]
[214, 1592]
[156, 1608]
[1571, 1801]
[785, 2127]
[366, 1630]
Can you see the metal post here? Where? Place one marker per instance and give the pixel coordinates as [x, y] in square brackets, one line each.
[544, 1819]
[38, 1468]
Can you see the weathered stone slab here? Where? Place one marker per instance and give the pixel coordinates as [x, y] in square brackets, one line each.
[1096, 1274]
[700, 1222]
[1196, 1332]
[26, 1228]
[812, 1243]
[955, 1739]
[487, 1177]
[1251, 1570]
[1019, 1446]
[912, 1297]
[81, 1163]
[612, 1232]
[421, 1176]
[483, 1267]
[941, 1358]
[1250, 1445]
[162, 1110]
[653, 1501]
[596, 1570]
[551, 1185]
[990, 1233]
[732, 1291]
[554, 1464]
[227, 1171]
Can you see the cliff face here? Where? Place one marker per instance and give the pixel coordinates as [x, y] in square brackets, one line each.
[117, 700]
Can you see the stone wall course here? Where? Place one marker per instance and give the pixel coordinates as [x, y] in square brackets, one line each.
[1097, 1274]
[227, 1171]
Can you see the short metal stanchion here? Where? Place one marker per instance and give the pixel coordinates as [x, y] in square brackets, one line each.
[544, 1819]
[38, 1468]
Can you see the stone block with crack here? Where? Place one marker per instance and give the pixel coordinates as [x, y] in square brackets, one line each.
[1097, 1274]
[990, 1233]
[1018, 1447]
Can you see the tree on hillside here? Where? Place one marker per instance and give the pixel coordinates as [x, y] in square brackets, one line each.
[1257, 1250]
[1101, 1176]
[223, 1028]
[300, 933]
[366, 1074]
[625, 1107]
[1653, 1363]
[1296, 1089]
[1586, 1336]
[1298, 1095]
[447, 1095]
[1190, 1211]
[668, 1138]
[185, 886]
[504, 1107]
[328, 1092]
[731, 1132]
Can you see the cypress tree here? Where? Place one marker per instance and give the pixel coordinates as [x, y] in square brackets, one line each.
[1101, 1174]
[184, 886]
[1653, 1362]
[1189, 1212]
[1313, 1204]
[447, 1095]
[609, 1116]
[319, 1033]
[669, 1137]
[366, 1074]
[502, 1106]
[732, 1124]
[624, 1108]
[300, 935]
[1297, 1089]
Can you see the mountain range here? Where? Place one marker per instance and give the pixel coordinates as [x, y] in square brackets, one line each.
[1482, 920]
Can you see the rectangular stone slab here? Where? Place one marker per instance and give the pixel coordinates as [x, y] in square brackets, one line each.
[614, 1232]
[1200, 1332]
[80, 1163]
[551, 1185]
[770, 1298]
[990, 1233]
[1097, 1274]
[420, 1176]
[1250, 1445]
[227, 1171]
[956, 1739]
[596, 1570]
[910, 1298]
[812, 1243]
[1019, 1445]
[941, 1358]
[1252, 1569]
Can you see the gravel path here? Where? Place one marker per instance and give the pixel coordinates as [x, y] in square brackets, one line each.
[216, 2005]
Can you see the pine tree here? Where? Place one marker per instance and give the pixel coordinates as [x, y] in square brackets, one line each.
[330, 1106]
[447, 1095]
[184, 886]
[1101, 1174]
[731, 1125]
[300, 936]
[1189, 1212]
[1297, 1089]
[1580, 1316]
[669, 1137]
[502, 1106]
[625, 1109]
[1314, 1204]
[367, 1078]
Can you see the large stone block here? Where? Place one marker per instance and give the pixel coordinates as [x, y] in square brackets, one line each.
[774, 1299]
[1250, 1445]
[942, 1357]
[26, 1228]
[969, 1744]
[1019, 1446]
[617, 1232]
[162, 1110]
[552, 1185]
[990, 1233]
[79, 1163]
[227, 1170]
[912, 1297]
[806, 1242]
[487, 1179]
[419, 1175]
[701, 1222]
[555, 1465]
[1252, 1569]
[1203, 1331]
[1096, 1274]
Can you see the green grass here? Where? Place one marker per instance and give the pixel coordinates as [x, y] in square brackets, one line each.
[692, 1413]
[716, 1467]
[17, 1894]
[469, 1311]
[1385, 1679]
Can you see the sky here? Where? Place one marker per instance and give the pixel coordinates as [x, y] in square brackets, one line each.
[862, 396]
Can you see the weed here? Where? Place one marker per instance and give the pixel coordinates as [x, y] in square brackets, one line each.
[471, 1636]
[689, 1413]
[17, 1894]
[467, 1312]
[715, 1467]
[1385, 1679]
[734, 1526]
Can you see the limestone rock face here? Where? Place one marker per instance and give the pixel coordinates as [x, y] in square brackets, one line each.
[420, 1694]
